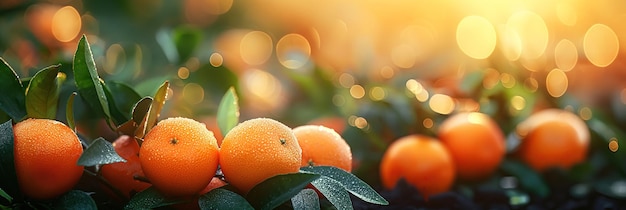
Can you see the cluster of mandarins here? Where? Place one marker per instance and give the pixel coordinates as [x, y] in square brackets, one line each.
[471, 146]
[179, 156]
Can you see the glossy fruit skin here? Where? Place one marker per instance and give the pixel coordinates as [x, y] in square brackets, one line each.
[422, 161]
[256, 150]
[553, 138]
[179, 156]
[122, 175]
[322, 146]
[475, 142]
[46, 154]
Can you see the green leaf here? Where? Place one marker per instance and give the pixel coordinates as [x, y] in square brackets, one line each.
[278, 189]
[99, 152]
[75, 199]
[307, 199]
[42, 94]
[6, 196]
[228, 111]
[7, 167]
[334, 192]
[187, 39]
[529, 179]
[116, 115]
[69, 112]
[223, 199]
[155, 110]
[149, 198]
[13, 100]
[87, 80]
[124, 96]
[350, 182]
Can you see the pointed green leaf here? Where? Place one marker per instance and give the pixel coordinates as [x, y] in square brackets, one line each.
[7, 167]
[116, 115]
[228, 111]
[69, 112]
[529, 179]
[350, 182]
[88, 81]
[149, 198]
[155, 110]
[75, 199]
[334, 192]
[6, 196]
[276, 190]
[307, 199]
[99, 152]
[223, 199]
[42, 94]
[13, 99]
[124, 96]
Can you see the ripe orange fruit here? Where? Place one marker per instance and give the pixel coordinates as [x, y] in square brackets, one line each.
[122, 175]
[179, 156]
[422, 161]
[553, 138]
[475, 142]
[46, 152]
[323, 146]
[258, 149]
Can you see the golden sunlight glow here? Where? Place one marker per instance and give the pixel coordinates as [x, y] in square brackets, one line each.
[263, 91]
[565, 55]
[377, 93]
[428, 123]
[346, 80]
[531, 84]
[510, 43]
[360, 122]
[216, 60]
[566, 13]
[585, 113]
[293, 51]
[601, 45]
[66, 24]
[416, 88]
[193, 93]
[532, 31]
[476, 37]
[183, 73]
[556, 83]
[508, 80]
[114, 56]
[613, 145]
[256, 47]
[403, 56]
[518, 103]
[262, 84]
[357, 91]
[442, 104]
[387, 72]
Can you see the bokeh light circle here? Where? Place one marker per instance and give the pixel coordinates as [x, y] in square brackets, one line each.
[601, 45]
[476, 37]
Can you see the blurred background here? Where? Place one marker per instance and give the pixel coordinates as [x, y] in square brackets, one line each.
[377, 70]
